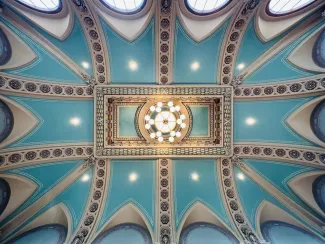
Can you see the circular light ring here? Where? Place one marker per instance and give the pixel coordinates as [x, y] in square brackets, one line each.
[5, 194]
[319, 50]
[124, 7]
[5, 48]
[48, 7]
[285, 7]
[317, 121]
[319, 191]
[206, 7]
[6, 121]
[146, 132]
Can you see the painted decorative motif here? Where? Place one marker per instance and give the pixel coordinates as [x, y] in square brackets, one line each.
[234, 206]
[52, 234]
[188, 232]
[319, 50]
[6, 121]
[4, 194]
[319, 191]
[293, 88]
[317, 121]
[104, 103]
[104, 237]
[40, 88]
[271, 231]
[16, 158]
[5, 48]
[96, 44]
[88, 223]
[165, 26]
[165, 202]
[276, 152]
[233, 41]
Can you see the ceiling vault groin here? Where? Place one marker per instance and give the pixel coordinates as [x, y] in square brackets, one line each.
[233, 39]
[97, 197]
[309, 156]
[20, 24]
[96, 40]
[303, 214]
[232, 202]
[18, 157]
[26, 214]
[37, 88]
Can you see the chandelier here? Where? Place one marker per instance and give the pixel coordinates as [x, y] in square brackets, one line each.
[164, 121]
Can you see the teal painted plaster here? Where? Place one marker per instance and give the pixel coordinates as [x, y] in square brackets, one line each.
[141, 193]
[121, 52]
[270, 126]
[187, 191]
[45, 176]
[285, 70]
[126, 121]
[200, 121]
[74, 197]
[46, 67]
[54, 121]
[279, 174]
[252, 195]
[206, 53]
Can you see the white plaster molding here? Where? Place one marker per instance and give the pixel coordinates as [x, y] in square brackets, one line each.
[24, 121]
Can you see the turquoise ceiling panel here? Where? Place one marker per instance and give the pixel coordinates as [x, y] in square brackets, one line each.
[45, 176]
[280, 174]
[284, 69]
[188, 191]
[270, 116]
[252, 195]
[46, 66]
[141, 192]
[251, 47]
[126, 120]
[139, 54]
[200, 115]
[54, 126]
[206, 53]
[74, 197]
[75, 45]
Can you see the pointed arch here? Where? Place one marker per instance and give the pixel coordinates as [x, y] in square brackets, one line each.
[199, 212]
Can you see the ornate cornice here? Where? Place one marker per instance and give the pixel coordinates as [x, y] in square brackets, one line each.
[25, 215]
[232, 201]
[309, 156]
[34, 88]
[302, 213]
[15, 158]
[96, 41]
[303, 87]
[165, 23]
[233, 40]
[88, 223]
[165, 230]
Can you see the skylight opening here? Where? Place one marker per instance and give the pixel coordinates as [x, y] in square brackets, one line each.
[48, 6]
[125, 6]
[282, 7]
[204, 7]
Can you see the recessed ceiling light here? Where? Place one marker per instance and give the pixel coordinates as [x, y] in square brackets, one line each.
[250, 121]
[85, 65]
[241, 66]
[195, 176]
[133, 177]
[195, 66]
[75, 121]
[241, 176]
[85, 177]
[133, 65]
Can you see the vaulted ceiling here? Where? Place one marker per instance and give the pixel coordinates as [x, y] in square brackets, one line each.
[81, 157]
